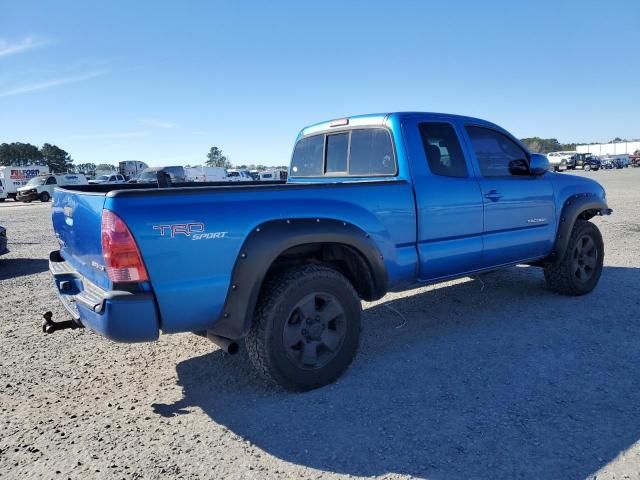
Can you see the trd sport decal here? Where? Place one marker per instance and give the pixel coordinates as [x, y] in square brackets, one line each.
[195, 231]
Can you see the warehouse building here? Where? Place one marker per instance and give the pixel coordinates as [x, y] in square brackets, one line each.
[617, 148]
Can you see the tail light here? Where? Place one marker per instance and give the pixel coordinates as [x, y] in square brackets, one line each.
[121, 255]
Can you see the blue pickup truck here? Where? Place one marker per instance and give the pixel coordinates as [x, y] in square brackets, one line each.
[372, 204]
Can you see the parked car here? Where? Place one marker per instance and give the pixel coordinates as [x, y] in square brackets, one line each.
[634, 160]
[41, 188]
[150, 175]
[108, 179]
[373, 204]
[3, 241]
[586, 161]
[235, 175]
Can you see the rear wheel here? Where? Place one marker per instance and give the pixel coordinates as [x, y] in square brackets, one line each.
[579, 270]
[306, 328]
[44, 197]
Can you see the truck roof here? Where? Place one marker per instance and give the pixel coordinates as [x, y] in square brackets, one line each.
[379, 119]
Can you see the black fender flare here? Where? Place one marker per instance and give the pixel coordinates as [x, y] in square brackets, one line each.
[581, 205]
[266, 243]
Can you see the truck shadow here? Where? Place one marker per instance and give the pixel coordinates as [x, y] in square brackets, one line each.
[490, 378]
[19, 267]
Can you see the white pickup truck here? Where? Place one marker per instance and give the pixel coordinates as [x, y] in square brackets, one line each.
[561, 160]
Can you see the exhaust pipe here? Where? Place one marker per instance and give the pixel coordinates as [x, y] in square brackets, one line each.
[226, 344]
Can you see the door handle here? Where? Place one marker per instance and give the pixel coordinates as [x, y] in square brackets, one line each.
[493, 195]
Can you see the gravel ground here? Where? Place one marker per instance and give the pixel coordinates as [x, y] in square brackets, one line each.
[488, 378]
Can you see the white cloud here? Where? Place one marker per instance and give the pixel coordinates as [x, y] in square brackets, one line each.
[11, 48]
[157, 123]
[32, 87]
[106, 136]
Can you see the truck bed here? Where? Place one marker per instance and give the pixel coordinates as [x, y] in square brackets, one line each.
[196, 269]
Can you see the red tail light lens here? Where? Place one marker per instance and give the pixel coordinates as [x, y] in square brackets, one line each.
[121, 255]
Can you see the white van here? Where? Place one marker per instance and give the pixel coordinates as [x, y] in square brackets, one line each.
[3, 191]
[273, 175]
[41, 187]
[205, 174]
[15, 177]
[235, 175]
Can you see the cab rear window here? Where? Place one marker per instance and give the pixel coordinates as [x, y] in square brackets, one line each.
[357, 152]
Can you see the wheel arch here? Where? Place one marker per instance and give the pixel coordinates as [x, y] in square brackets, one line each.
[275, 245]
[584, 206]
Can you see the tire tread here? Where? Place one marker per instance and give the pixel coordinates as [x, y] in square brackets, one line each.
[257, 348]
[558, 273]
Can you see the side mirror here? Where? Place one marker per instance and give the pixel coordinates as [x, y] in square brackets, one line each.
[539, 164]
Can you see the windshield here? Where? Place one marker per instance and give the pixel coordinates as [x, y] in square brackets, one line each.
[103, 177]
[37, 181]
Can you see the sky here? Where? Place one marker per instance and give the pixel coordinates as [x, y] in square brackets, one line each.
[162, 82]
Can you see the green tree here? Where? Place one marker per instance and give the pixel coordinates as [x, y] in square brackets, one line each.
[20, 154]
[546, 145]
[215, 158]
[58, 160]
[85, 168]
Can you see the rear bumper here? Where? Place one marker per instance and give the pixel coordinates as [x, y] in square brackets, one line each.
[118, 315]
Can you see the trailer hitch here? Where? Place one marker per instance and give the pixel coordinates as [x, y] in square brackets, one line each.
[49, 326]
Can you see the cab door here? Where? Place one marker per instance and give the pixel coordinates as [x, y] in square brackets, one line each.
[519, 210]
[448, 199]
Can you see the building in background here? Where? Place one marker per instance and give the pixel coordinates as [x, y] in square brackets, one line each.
[616, 148]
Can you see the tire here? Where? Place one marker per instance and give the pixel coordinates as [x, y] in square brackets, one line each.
[45, 197]
[2, 200]
[586, 168]
[578, 272]
[306, 328]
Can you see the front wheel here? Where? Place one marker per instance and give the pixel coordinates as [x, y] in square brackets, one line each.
[45, 197]
[578, 272]
[306, 328]
[587, 168]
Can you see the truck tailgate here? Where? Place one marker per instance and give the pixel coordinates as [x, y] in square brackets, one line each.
[77, 218]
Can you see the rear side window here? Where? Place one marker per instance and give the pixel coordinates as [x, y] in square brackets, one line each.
[307, 157]
[358, 152]
[371, 153]
[337, 152]
[497, 154]
[442, 149]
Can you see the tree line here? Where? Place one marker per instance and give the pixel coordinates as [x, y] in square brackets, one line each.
[546, 145]
[24, 154]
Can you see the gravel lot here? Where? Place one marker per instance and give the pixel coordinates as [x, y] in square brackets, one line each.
[489, 378]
